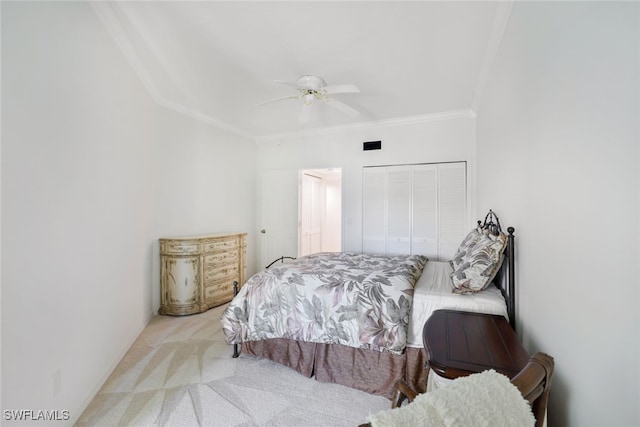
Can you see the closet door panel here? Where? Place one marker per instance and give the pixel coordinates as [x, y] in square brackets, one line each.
[424, 240]
[311, 214]
[374, 206]
[452, 206]
[398, 210]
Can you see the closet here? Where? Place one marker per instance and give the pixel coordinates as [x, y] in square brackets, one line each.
[414, 209]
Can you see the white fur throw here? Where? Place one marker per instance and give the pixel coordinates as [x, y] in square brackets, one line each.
[484, 399]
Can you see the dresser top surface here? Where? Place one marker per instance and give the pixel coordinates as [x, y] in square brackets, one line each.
[203, 236]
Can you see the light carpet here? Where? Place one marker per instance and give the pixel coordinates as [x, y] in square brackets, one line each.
[179, 372]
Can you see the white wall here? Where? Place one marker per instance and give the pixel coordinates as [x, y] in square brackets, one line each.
[93, 172]
[558, 154]
[437, 140]
[205, 183]
[77, 197]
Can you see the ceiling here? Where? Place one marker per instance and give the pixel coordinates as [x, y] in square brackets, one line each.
[217, 60]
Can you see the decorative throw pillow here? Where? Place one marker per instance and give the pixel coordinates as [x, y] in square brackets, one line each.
[480, 265]
[465, 247]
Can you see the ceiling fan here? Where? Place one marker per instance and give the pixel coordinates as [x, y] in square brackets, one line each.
[312, 88]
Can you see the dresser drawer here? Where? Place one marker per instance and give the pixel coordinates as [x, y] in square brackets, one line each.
[211, 261]
[219, 292]
[171, 247]
[219, 273]
[220, 245]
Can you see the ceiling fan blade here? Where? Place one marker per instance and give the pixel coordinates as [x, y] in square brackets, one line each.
[282, 82]
[341, 89]
[343, 107]
[277, 99]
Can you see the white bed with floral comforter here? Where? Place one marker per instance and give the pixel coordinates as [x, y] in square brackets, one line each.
[356, 300]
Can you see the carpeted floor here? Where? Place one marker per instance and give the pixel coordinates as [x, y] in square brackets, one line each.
[180, 372]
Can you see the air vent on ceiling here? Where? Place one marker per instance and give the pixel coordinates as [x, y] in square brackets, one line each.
[372, 145]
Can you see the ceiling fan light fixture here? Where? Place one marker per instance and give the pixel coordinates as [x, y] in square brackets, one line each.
[309, 98]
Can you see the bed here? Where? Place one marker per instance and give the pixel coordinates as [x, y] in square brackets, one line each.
[356, 319]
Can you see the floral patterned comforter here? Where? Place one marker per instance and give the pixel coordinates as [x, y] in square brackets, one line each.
[357, 300]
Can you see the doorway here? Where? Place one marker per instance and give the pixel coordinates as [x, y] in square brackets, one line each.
[320, 211]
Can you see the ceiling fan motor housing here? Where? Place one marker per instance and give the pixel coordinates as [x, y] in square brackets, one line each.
[311, 82]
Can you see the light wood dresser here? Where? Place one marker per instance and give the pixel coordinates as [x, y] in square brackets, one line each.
[197, 273]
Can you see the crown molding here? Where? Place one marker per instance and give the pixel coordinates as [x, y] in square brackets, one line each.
[399, 121]
[197, 115]
[107, 15]
[495, 39]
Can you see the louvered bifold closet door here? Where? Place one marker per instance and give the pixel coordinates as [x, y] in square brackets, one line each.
[374, 208]
[398, 210]
[452, 208]
[424, 236]
[415, 209]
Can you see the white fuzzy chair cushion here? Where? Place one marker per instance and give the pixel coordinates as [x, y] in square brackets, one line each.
[484, 399]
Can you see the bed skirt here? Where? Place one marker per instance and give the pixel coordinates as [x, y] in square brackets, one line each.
[371, 371]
